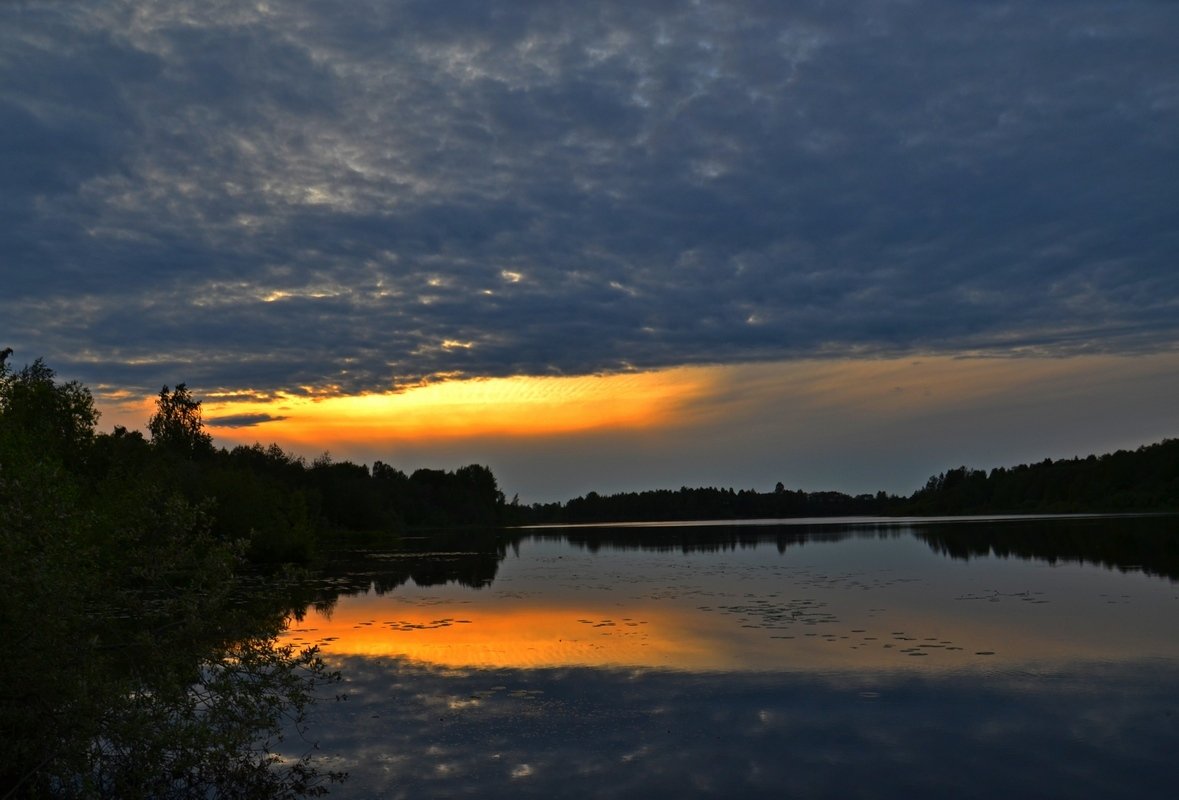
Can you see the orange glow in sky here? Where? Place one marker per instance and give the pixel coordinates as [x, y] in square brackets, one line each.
[525, 406]
[516, 406]
[847, 424]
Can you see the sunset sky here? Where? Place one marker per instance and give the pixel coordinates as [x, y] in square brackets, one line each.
[605, 245]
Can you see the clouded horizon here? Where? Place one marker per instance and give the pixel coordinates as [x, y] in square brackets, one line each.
[278, 202]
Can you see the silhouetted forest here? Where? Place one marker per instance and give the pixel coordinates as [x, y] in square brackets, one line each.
[277, 502]
[710, 503]
[1142, 480]
[1146, 479]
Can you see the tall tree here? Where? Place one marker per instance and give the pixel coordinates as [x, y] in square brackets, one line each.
[177, 425]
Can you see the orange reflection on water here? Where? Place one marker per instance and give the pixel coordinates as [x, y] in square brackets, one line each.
[512, 636]
[519, 634]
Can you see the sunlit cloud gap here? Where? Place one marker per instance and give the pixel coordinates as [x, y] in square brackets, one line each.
[876, 389]
[516, 406]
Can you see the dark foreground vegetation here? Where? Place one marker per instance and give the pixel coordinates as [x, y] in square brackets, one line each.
[139, 662]
[143, 659]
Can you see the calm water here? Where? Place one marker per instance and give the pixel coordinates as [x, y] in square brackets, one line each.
[1037, 658]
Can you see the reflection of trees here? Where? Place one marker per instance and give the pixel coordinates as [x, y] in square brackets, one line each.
[472, 559]
[712, 538]
[1149, 544]
[468, 558]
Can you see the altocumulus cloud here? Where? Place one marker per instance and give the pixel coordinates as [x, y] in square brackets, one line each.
[325, 197]
[242, 420]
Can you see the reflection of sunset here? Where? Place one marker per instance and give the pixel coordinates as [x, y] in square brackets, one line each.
[514, 635]
[462, 636]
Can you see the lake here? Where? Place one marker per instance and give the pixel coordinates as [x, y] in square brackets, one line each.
[872, 658]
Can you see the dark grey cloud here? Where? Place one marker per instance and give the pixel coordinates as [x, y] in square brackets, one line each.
[242, 420]
[315, 195]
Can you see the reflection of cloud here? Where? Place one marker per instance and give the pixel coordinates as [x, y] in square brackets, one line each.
[1087, 732]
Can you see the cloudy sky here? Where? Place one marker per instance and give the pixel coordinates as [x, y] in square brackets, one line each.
[605, 245]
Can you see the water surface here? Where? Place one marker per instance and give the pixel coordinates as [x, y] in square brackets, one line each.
[864, 658]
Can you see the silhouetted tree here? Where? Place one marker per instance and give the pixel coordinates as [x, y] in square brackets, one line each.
[177, 426]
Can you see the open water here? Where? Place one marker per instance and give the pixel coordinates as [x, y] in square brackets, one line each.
[841, 658]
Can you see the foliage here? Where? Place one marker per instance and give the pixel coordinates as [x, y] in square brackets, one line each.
[177, 426]
[1146, 479]
[705, 503]
[467, 496]
[132, 669]
[260, 509]
[1143, 480]
[57, 420]
[135, 671]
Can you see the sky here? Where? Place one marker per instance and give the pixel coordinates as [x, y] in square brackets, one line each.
[605, 246]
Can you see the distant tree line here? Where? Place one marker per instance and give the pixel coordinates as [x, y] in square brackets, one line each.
[708, 503]
[1142, 480]
[1145, 479]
